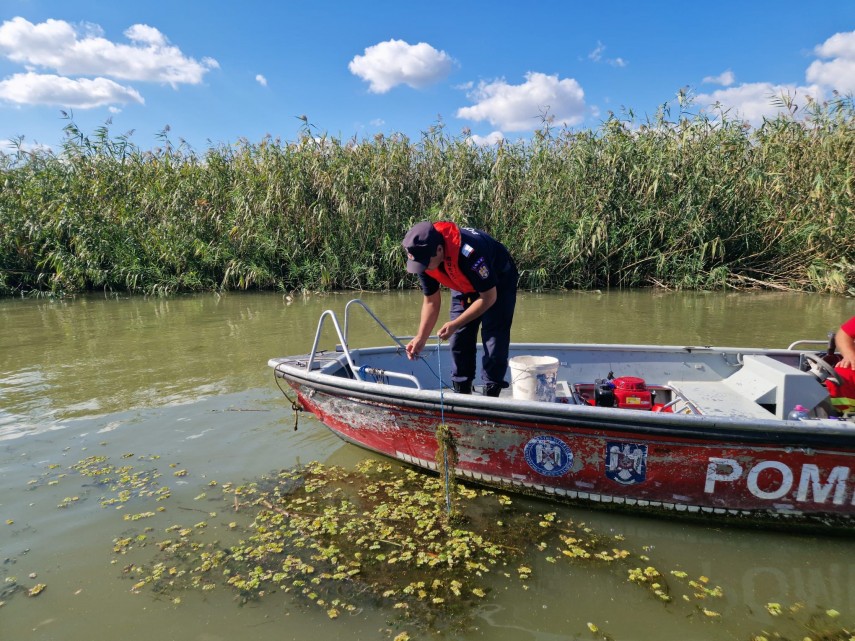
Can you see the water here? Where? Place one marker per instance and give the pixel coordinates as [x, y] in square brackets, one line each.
[186, 379]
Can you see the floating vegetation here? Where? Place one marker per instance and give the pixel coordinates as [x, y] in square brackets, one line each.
[802, 625]
[346, 539]
[11, 586]
[124, 480]
[380, 537]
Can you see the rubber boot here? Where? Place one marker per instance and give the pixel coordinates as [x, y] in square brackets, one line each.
[462, 387]
[493, 389]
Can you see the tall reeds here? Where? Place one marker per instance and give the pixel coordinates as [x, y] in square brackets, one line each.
[684, 202]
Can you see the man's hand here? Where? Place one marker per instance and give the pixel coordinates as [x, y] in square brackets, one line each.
[484, 302]
[430, 312]
[447, 330]
[415, 347]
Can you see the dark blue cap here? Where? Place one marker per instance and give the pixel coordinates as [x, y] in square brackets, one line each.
[421, 243]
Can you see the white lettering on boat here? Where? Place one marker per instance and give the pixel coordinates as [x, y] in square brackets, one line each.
[783, 488]
[713, 474]
[836, 480]
[780, 480]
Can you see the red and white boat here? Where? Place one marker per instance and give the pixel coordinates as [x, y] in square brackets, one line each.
[682, 430]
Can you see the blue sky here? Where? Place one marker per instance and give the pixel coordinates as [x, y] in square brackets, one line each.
[215, 72]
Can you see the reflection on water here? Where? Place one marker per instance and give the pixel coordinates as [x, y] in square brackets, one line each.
[62, 360]
[70, 359]
[186, 379]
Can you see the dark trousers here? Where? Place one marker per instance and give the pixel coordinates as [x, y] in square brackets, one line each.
[495, 327]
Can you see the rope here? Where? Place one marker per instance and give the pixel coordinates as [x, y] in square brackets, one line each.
[446, 453]
[427, 363]
[439, 376]
[295, 405]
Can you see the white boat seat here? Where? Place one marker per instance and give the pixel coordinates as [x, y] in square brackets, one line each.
[714, 398]
[766, 380]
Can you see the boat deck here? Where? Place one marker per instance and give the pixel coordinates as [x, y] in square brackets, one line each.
[714, 398]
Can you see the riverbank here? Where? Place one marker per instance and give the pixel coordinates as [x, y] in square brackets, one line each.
[681, 201]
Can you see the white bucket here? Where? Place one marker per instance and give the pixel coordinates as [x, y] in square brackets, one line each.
[533, 377]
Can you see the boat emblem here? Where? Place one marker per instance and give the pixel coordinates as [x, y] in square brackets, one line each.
[626, 463]
[548, 455]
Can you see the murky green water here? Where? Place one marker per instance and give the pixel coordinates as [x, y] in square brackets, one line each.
[186, 379]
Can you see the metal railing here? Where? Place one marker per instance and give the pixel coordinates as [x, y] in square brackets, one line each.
[807, 341]
[342, 337]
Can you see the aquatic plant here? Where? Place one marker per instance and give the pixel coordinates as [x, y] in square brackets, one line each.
[377, 536]
[689, 200]
[798, 623]
[343, 540]
[446, 463]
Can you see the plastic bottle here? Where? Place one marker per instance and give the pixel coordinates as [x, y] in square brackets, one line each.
[798, 413]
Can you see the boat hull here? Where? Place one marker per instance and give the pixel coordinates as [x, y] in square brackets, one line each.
[609, 457]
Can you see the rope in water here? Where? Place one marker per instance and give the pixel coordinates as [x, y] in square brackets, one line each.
[444, 439]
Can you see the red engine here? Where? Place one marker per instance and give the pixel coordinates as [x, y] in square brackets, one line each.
[631, 393]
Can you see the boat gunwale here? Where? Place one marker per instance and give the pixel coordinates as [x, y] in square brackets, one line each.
[723, 430]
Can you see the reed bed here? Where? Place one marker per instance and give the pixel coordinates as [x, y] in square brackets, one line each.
[683, 202]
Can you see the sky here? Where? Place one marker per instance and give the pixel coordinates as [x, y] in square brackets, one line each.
[213, 73]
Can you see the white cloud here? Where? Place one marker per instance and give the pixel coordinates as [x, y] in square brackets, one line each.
[83, 93]
[840, 45]
[754, 101]
[521, 107]
[597, 53]
[378, 122]
[597, 56]
[10, 147]
[725, 78]
[261, 80]
[395, 62]
[57, 45]
[144, 34]
[485, 141]
[838, 73]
